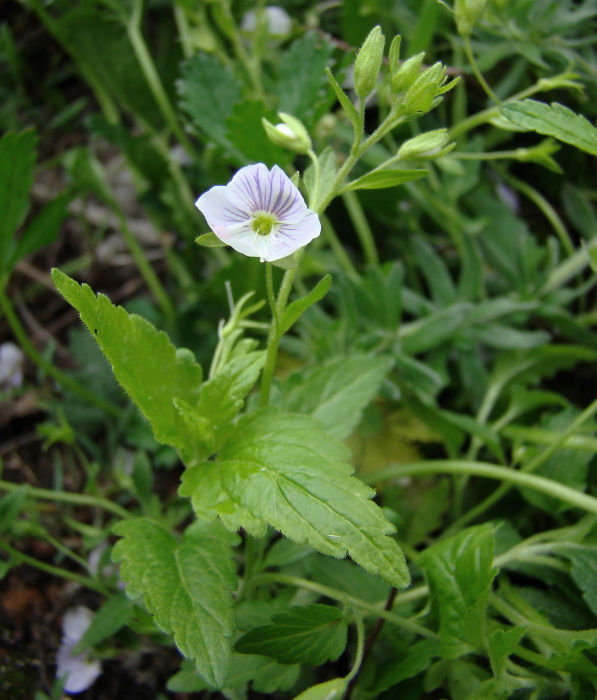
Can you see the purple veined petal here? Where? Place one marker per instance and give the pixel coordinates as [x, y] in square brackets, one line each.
[218, 210]
[250, 188]
[300, 233]
[287, 202]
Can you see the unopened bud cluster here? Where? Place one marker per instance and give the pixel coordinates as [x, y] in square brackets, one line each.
[290, 133]
[414, 91]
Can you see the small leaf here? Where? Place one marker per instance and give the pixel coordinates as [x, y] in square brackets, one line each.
[311, 634]
[109, 619]
[347, 105]
[584, 573]
[418, 659]
[210, 240]
[282, 469]
[298, 307]
[501, 644]
[332, 690]
[327, 176]
[185, 585]
[380, 179]
[460, 575]
[17, 158]
[557, 121]
[246, 134]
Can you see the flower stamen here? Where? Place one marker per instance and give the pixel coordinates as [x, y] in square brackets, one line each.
[263, 223]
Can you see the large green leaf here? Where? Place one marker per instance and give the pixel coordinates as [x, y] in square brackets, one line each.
[555, 120]
[310, 634]
[17, 158]
[246, 134]
[302, 88]
[584, 572]
[337, 391]
[284, 470]
[149, 368]
[460, 574]
[185, 584]
[208, 92]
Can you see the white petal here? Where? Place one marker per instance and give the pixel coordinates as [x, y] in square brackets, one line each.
[297, 235]
[76, 622]
[82, 671]
[250, 189]
[218, 210]
[278, 20]
[287, 202]
[242, 238]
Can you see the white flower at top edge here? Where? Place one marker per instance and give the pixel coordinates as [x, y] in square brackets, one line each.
[278, 21]
[260, 213]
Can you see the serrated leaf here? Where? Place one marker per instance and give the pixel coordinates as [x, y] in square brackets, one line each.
[501, 644]
[244, 130]
[284, 470]
[17, 158]
[555, 120]
[302, 88]
[381, 179]
[210, 240]
[298, 307]
[208, 92]
[460, 575]
[185, 584]
[310, 634]
[337, 391]
[111, 617]
[144, 361]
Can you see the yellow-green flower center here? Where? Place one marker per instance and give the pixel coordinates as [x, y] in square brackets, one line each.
[263, 223]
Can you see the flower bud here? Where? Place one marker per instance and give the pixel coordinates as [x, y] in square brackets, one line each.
[467, 13]
[432, 144]
[368, 63]
[421, 96]
[289, 134]
[407, 74]
[395, 55]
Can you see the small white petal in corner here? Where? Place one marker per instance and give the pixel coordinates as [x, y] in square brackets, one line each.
[81, 671]
[11, 366]
[260, 213]
[278, 21]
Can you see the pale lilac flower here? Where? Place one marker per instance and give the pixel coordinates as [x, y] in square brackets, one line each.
[82, 671]
[278, 21]
[11, 365]
[260, 213]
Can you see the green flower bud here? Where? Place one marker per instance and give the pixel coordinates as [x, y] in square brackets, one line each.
[421, 96]
[368, 63]
[395, 55]
[289, 134]
[432, 144]
[407, 74]
[467, 13]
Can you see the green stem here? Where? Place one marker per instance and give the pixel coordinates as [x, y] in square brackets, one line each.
[337, 248]
[78, 499]
[152, 77]
[471, 59]
[358, 660]
[534, 464]
[490, 471]
[269, 280]
[49, 569]
[143, 265]
[314, 198]
[335, 594]
[550, 213]
[48, 367]
[359, 221]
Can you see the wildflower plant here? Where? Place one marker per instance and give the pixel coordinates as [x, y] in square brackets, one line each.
[274, 556]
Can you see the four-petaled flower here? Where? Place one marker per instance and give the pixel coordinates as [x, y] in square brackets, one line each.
[260, 213]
